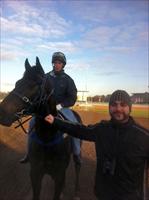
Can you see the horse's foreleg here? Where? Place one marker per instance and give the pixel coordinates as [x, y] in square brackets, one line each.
[77, 175]
[36, 178]
[59, 186]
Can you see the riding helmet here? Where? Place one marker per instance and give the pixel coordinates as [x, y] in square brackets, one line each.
[59, 56]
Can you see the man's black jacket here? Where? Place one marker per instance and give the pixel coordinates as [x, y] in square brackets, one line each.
[65, 91]
[121, 154]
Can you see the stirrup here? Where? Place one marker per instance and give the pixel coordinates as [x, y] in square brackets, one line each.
[24, 160]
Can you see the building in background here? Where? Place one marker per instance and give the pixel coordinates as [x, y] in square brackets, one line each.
[136, 98]
[141, 98]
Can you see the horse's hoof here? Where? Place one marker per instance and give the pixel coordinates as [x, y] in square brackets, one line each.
[76, 198]
[61, 196]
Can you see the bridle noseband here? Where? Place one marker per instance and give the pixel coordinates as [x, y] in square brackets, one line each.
[23, 98]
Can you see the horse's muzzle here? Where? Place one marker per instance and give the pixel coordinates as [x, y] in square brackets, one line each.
[6, 119]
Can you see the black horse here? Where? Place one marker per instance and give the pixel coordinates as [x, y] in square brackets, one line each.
[50, 150]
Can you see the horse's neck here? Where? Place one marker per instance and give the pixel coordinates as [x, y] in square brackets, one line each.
[52, 106]
[44, 130]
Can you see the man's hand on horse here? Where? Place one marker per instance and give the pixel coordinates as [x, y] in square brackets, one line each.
[49, 119]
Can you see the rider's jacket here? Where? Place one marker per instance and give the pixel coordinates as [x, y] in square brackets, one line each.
[121, 154]
[65, 91]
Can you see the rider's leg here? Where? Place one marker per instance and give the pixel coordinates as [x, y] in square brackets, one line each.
[68, 114]
[25, 159]
[76, 142]
[76, 149]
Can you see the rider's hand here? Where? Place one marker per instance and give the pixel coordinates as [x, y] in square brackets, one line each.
[49, 119]
[59, 107]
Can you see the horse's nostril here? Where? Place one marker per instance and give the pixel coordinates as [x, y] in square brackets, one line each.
[5, 118]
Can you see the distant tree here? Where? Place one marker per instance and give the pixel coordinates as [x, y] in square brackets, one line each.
[102, 98]
[107, 97]
[96, 98]
[141, 98]
[89, 99]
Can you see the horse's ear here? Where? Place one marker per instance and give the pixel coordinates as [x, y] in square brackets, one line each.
[27, 65]
[39, 65]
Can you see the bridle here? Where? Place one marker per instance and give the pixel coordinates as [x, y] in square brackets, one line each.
[23, 98]
[40, 99]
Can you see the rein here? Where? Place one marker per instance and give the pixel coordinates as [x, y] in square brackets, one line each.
[21, 124]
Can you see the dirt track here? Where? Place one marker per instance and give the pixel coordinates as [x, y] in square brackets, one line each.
[14, 177]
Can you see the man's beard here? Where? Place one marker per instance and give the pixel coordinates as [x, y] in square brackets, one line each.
[120, 117]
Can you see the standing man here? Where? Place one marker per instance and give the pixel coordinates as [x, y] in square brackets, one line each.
[122, 148]
[65, 95]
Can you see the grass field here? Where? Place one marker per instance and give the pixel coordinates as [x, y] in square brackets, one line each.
[138, 111]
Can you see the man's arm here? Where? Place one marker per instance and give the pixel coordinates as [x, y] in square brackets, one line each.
[71, 94]
[75, 129]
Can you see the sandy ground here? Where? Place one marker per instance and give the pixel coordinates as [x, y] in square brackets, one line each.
[14, 177]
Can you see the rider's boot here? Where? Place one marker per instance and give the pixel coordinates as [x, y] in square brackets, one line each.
[77, 159]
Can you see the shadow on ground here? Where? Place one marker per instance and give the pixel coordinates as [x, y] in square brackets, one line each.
[14, 177]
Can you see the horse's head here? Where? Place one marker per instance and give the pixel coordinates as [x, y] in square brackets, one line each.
[29, 93]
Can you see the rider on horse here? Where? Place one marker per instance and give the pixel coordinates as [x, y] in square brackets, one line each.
[65, 94]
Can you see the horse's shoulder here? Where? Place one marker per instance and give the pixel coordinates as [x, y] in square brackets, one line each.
[105, 122]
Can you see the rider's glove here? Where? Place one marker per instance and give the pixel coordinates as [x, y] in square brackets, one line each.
[59, 107]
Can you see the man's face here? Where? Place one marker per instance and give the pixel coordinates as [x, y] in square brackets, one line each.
[119, 111]
[58, 65]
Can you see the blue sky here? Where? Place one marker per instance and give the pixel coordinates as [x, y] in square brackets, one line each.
[105, 42]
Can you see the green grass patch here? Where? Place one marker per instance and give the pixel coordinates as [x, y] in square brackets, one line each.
[140, 113]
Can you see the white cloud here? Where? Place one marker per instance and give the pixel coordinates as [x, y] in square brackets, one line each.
[32, 21]
[59, 46]
[12, 50]
[8, 56]
[109, 73]
[104, 12]
[26, 28]
[20, 27]
[11, 55]
[122, 38]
